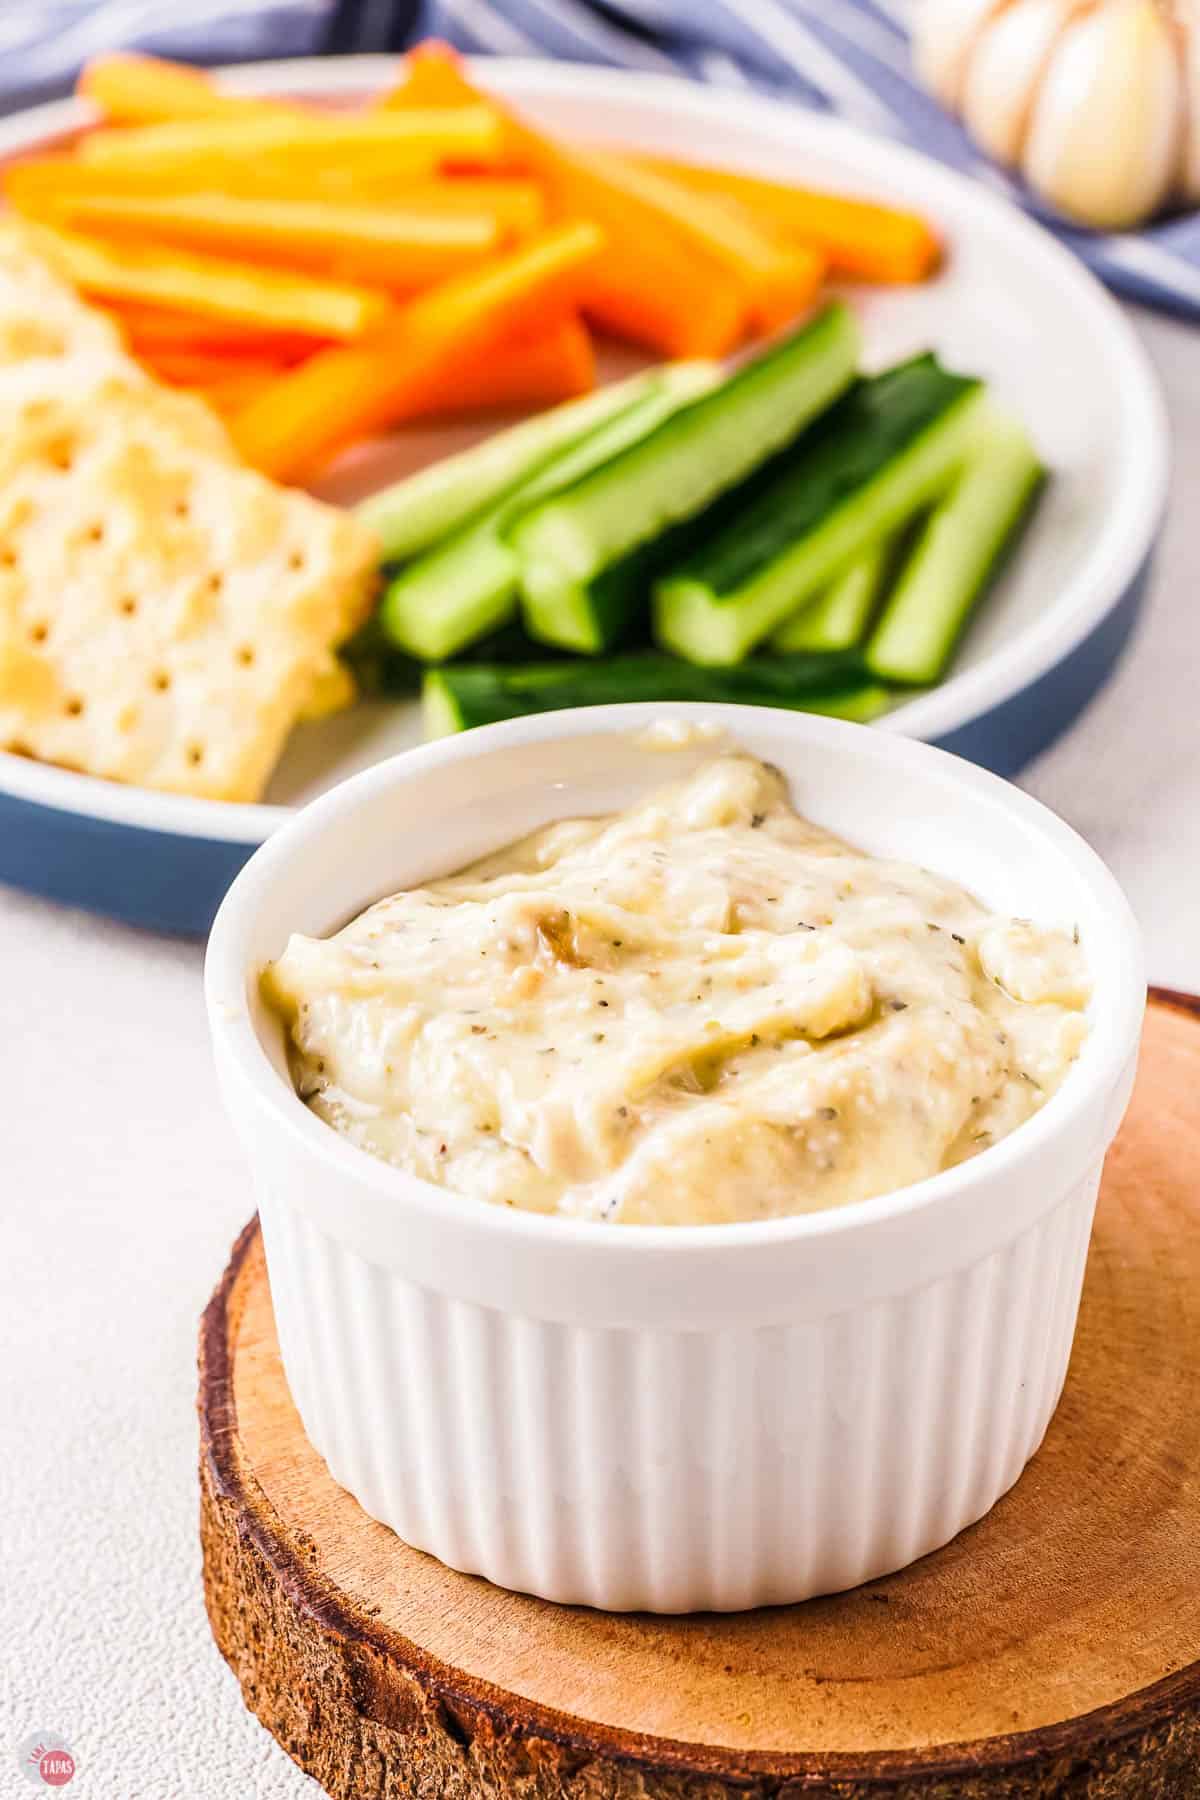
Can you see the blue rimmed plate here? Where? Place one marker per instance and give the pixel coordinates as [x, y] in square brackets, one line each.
[1011, 305]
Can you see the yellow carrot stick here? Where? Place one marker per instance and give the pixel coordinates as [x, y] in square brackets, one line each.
[340, 395]
[211, 286]
[432, 76]
[143, 90]
[519, 207]
[386, 245]
[49, 187]
[859, 237]
[421, 140]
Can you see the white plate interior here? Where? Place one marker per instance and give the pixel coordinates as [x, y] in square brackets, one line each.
[1010, 305]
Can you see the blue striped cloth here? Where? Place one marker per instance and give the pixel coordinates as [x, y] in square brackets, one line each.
[848, 57]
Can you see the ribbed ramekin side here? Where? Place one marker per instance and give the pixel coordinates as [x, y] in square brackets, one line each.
[674, 1470]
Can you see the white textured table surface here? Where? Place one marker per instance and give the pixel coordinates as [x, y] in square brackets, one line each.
[121, 1191]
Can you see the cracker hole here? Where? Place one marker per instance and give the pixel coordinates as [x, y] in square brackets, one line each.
[296, 560]
[216, 582]
[8, 557]
[195, 754]
[40, 632]
[128, 606]
[161, 680]
[182, 509]
[62, 456]
[95, 532]
[245, 655]
[74, 707]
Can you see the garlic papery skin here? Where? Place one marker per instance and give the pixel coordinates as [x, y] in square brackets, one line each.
[944, 33]
[1189, 165]
[1000, 83]
[1106, 124]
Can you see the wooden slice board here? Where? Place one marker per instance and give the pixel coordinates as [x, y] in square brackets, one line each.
[1051, 1650]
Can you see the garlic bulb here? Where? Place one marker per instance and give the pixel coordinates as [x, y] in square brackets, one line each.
[1189, 174]
[1097, 102]
[1000, 85]
[944, 33]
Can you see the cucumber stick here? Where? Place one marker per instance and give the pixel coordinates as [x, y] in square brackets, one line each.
[415, 513]
[575, 537]
[838, 618]
[957, 551]
[460, 695]
[890, 446]
[461, 590]
[466, 585]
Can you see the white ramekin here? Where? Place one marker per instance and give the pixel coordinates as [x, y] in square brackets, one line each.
[672, 1418]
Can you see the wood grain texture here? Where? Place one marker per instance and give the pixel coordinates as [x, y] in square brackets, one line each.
[1051, 1652]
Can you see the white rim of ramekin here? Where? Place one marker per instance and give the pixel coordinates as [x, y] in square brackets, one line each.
[1092, 591]
[1112, 1038]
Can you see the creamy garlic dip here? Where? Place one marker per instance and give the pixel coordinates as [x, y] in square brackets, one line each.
[700, 1010]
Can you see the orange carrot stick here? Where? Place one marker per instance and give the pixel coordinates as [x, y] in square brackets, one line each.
[663, 303]
[232, 393]
[518, 207]
[48, 187]
[535, 369]
[143, 90]
[859, 237]
[778, 279]
[212, 286]
[650, 284]
[420, 139]
[340, 395]
[383, 244]
[433, 76]
[154, 328]
[198, 368]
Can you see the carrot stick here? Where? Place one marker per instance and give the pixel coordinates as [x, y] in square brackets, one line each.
[340, 395]
[779, 279]
[420, 139]
[43, 186]
[232, 393]
[433, 76]
[211, 286]
[663, 303]
[143, 90]
[859, 237]
[49, 187]
[383, 244]
[649, 284]
[154, 328]
[199, 368]
[518, 207]
[529, 371]
[533, 370]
